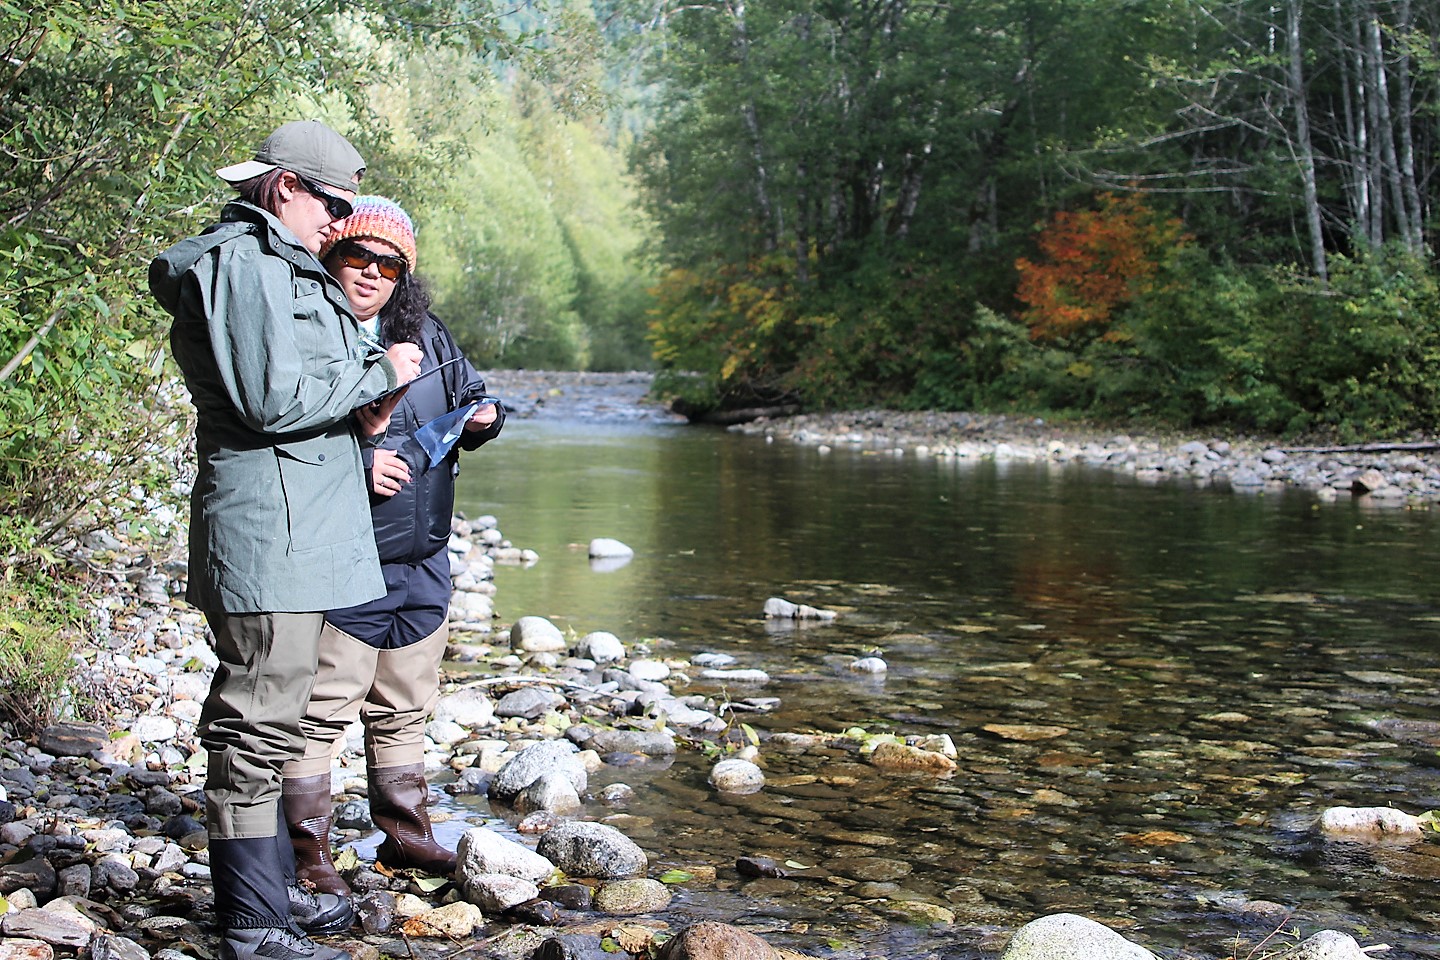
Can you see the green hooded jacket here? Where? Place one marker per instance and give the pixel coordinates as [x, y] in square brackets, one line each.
[274, 361]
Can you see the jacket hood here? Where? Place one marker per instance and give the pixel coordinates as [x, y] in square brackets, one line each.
[238, 217]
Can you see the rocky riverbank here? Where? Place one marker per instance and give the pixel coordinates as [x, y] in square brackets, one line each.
[1383, 475]
[102, 850]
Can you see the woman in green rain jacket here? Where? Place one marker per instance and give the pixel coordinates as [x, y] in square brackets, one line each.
[280, 519]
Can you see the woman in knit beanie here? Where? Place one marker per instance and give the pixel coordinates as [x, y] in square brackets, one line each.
[380, 661]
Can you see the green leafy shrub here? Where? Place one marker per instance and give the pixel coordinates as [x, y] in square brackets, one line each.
[1276, 350]
[36, 643]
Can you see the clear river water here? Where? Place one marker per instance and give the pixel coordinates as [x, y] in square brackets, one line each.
[1214, 670]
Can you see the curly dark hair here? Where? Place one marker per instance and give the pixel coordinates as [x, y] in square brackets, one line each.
[402, 317]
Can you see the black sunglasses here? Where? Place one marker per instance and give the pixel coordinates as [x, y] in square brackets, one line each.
[358, 258]
[338, 207]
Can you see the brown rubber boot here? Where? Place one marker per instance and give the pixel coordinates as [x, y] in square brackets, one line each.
[308, 811]
[398, 796]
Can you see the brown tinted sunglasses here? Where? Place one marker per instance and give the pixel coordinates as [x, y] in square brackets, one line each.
[357, 257]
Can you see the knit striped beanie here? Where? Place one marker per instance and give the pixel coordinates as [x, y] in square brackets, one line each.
[376, 218]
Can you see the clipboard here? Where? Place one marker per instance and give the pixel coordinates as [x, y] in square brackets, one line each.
[421, 376]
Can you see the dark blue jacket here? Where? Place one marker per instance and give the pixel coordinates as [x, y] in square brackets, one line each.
[415, 523]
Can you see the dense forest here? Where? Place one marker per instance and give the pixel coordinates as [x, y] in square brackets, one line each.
[1192, 212]
[1209, 211]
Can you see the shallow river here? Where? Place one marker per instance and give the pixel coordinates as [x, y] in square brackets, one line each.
[1221, 668]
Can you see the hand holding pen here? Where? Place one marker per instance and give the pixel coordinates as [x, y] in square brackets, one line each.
[405, 357]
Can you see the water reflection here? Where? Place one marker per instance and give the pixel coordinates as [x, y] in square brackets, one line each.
[1153, 689]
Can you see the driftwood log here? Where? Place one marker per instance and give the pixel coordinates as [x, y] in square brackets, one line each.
[725, 418]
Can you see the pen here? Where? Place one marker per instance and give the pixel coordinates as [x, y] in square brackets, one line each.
[371, 343]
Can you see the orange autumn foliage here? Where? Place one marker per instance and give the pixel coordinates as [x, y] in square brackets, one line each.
[1093, 261]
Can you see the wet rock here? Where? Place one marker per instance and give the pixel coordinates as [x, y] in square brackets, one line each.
[483, 851]
[527, 766]
[868, 868]
[538, 911]
[871, 665]
[571, 946]
[1368, 481]
[736, 676]
[1025, 731]
[571, 896]
[709, 940]
[759, 867]
[1409, 730]
[529, 703]
[601, 647]
[1325, 945]
[469, 708]
[496, 893]
[538, 822]
[473, 781]
[586, 849]
[616, 793]
[919, 912]
[536, 635]
[737, 776]
[552, 792]
[1066, 936]
[605, 548]
[629, 897]
[1356, 822]
[778, 608]
[651, 743]
[376, 912]
[454, 920]
[902, 758]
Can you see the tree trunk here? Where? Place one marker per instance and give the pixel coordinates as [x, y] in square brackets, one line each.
[1374, 155]
[1415, 242]
[1306, 148]
[769, 229]
[1387, 130]
[1357, 182]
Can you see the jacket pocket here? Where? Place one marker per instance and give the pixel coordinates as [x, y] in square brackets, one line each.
[321, 490]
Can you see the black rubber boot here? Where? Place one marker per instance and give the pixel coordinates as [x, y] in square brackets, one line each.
[253, 905]
[275, 943]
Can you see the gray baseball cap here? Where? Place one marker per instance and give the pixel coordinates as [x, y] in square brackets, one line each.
[306, 147]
